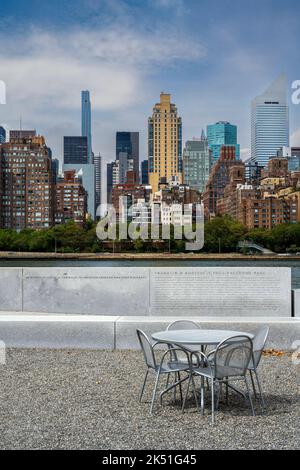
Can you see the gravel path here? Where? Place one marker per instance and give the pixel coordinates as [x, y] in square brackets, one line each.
[88, 400]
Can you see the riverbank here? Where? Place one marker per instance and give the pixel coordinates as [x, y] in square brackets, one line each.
[7, 255]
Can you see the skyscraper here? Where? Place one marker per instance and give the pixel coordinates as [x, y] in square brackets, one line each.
[109, 181]
[75, 149]
[197, 162]
[269, 122]
[128, 142]
[2, 135]
[164, 143]
[98, 173]
[144, 172]
[26, 183]
[86, 122]
[220, 134]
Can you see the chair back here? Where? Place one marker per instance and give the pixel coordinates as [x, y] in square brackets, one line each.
[183, 325]
[232, 357]
[259, 342]
[147, 349]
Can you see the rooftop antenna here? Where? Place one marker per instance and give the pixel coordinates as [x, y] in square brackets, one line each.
[20, 123]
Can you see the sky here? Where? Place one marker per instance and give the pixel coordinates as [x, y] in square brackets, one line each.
[213, 57]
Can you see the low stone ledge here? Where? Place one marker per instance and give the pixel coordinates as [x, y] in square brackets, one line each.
[66, 331]
[283, 331]
[28, 330]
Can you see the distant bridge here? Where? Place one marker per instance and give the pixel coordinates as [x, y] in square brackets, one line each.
[255, 246]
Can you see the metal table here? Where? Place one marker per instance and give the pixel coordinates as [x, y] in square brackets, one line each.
[196, 340]
[196, 337]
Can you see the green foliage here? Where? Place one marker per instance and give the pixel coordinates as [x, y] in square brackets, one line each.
[221, 234]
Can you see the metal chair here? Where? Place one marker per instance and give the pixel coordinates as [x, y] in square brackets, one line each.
[230, 360]
[183, 325]
[259, 343]
[166, 365]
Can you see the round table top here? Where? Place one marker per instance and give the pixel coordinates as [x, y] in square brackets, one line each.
[197, 336]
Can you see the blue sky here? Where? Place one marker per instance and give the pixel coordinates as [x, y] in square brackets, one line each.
[213, 57]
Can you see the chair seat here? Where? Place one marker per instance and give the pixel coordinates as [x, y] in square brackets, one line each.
[223, 371]
[174, 366]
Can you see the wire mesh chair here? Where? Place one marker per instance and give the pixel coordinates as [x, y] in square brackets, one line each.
[259, 343]
[230, 360]
[184, 325]
[167, 365]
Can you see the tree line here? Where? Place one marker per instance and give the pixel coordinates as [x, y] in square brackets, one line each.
[222, 235]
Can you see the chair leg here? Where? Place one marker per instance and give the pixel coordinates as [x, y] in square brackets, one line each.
[249, 396]
[212, 402]
[262, 399]
[253, 384]
[227, 391]
[175, 380]
[168, 380]
[202, 396]
[180, 387]
[218, 395]
[195, 393]
[144, 384]
[186, 393]
[154, 392]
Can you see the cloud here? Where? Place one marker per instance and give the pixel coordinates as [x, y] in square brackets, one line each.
[245, 153]
[49, 68]
[179, 6]
[295, 138]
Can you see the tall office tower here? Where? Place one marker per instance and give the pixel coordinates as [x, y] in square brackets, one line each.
[71, 199]
[220, 134]
[269, 122]
[164, 143]
[86, 122]
[144, 172]
[27, 190]
[197, 163]
[2, 135]
[109, 181]
[55, 169]
[128, 142]
[98, 174]
[75, 149]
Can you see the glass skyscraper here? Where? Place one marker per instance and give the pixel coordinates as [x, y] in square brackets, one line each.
[197, 161]
[2, 135]
[75, 149]
[269, 122]
[220, 134]
[86, 125]
[144, 172]
[128, 142]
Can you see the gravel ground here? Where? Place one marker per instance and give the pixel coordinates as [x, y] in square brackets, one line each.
[54, 399]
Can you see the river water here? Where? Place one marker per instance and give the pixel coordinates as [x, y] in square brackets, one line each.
[283, 262]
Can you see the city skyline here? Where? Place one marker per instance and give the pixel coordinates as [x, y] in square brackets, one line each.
[212, 75]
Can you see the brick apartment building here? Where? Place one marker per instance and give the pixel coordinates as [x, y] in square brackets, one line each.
[71, 199]
[274, 201]
[26, 183]
[219, 179]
